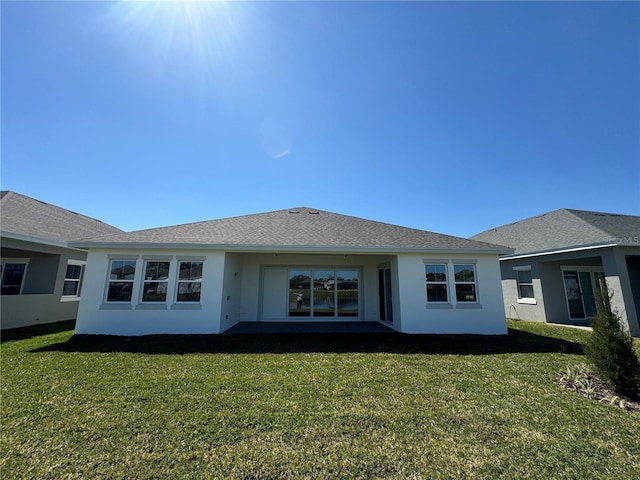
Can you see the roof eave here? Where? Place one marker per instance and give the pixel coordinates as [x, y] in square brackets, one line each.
[287, 248]
[39, 240]
[563, 250]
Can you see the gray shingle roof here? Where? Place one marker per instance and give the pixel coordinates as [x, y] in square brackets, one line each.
[565, 228]
[26, 216]
[298, 228]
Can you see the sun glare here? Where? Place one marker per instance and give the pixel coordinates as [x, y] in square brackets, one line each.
[205, 46]
[200, 30]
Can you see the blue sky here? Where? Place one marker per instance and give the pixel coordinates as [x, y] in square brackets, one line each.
[451, 117]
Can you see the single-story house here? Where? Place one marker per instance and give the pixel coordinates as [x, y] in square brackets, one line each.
[296, 265]
[559, 260]
[41, 275]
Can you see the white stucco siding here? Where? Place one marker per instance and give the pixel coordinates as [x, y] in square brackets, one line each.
[254, 287]
[96, 316]
[484, 317]
[26, 310]
[231, 312]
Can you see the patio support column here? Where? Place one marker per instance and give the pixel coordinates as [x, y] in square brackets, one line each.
[617, 276]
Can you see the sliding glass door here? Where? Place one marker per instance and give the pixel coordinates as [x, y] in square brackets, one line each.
[299, 293]
[581, 287]
[324, 292]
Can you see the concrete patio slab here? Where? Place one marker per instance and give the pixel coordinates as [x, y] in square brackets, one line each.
[308, 327]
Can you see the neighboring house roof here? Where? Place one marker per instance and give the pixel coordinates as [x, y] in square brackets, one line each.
[298, 229]
[565, 229]
[30, 219]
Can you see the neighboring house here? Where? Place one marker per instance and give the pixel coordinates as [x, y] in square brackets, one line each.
[560, 258]
[289, 265]
[41, 275]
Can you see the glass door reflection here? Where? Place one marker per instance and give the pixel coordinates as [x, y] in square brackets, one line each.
[347, 293]
[324, 286]
[324, 292]
[299, 293]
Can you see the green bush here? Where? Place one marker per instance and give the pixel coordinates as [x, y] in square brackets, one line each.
[610, 348]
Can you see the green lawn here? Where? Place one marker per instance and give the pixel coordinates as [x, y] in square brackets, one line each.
[323, 406]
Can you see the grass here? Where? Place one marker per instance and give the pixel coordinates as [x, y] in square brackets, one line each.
[296, 406]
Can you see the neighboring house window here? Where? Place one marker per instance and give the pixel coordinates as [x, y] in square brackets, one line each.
[72, 277]
[465, 281]
[156, 281]
[121, 274]
[525, 283]
[12, 272]
[189, 281]
[436, 279]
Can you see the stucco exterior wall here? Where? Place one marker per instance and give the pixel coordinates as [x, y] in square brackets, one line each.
[417, 316]
[231, 292]
[515, 307]
[96, 316]
[243, 286]
[619, 284]
[550, 301]
[27, 310]
[553, 296]
[549, 289]
[41, 300]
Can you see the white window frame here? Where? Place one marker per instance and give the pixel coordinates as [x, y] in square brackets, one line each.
[75, 263]
[145, 281]
[179, 281]
[521, 298]
[14, 261]
[445, 264]
[116, 280]
[473, 264]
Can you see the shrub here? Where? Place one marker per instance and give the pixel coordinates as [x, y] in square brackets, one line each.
[610, 349]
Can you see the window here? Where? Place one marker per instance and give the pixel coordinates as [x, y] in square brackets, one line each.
[156, 281]
[465, 281]
[12, 272]
[300, 293]
[436, 278]
[189, 282]
[121, 276]
[525, 283]
[347, 291]
[324, 292]
[71, 286]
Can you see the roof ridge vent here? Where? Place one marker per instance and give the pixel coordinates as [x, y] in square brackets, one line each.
[294, 211]
[313, 212]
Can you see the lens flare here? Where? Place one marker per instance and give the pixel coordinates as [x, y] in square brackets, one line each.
[202, 33]
[275, 138]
